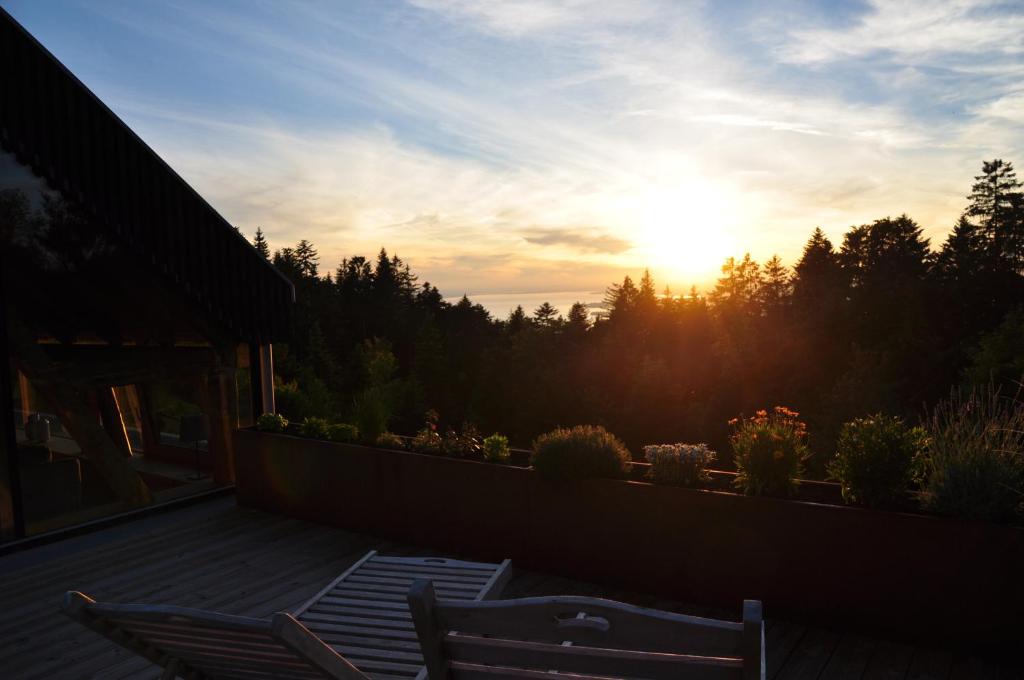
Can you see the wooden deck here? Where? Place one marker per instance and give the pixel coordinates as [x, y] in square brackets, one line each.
[220, 557]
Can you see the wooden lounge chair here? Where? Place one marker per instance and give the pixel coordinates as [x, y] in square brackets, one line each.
[195, 644]
[358, 626]
[587, 638]
[364, 613]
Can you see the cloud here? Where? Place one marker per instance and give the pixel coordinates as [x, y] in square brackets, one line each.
[913, 30]
[482, 140]
[583, 240]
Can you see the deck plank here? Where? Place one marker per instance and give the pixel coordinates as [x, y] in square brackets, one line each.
[810, 656]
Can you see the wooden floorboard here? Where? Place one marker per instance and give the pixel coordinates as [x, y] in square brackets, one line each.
[246, 562]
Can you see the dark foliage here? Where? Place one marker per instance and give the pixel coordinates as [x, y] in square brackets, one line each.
[581, 452]
[878, 323]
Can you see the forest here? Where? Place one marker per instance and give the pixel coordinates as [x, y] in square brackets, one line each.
[883, 322]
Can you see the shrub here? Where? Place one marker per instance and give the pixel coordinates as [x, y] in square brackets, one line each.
[679, 464]
[496, 449]
[462, 444]
[874, 460]
[427, 440]
[580, 452]
[973, 465]
[389, 440]
[314, 428]
[372, 414]
[343, 432]
[769, 451]
[271, 422]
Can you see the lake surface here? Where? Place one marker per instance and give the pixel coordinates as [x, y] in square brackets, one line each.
[500, 305]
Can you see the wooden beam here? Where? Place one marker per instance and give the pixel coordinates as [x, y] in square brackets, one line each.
[221, 406]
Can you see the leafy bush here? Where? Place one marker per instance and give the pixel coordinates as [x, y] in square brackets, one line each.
[314, 428]
[372, 414]
[428, 440]
[679, 464]
[343, 432]
[463, 444]
[874, 460]
[388, 440]
[580, 452]
[496, 449]
[769, 451]
[271, 422]
[973, 465]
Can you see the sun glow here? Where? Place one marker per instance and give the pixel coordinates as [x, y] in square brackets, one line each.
[686, 232]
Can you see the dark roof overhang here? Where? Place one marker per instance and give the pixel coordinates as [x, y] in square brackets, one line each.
[52, 123]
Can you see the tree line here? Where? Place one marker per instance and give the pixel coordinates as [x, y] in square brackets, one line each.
[880, 322]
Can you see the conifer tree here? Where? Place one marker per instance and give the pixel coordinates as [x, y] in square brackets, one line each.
[260, 243]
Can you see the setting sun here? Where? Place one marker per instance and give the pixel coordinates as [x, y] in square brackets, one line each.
[685, 232]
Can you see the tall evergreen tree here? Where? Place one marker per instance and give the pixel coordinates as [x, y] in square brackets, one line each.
[545, 315]
[997, 206]
[260, 244]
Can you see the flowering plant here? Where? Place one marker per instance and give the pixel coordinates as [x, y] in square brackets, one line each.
[769, 450]
[680, 464]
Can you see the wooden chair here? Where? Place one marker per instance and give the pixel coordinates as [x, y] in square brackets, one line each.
[589, 638]
[196, 644]
[357, 626]
[364, 614]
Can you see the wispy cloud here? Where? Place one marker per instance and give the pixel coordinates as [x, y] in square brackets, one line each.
[582, 240]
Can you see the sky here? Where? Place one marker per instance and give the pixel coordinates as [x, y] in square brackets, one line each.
[556, 145]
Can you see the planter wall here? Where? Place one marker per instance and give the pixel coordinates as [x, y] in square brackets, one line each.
[908, 576]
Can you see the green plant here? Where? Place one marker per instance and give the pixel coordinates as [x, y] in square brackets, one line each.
[769, 451]
[679, 464]
[314, 428]
[271, 422]
[389, 440]
[343, 432]
[874, 460]
[973, 465]
[580, 452]
[496, 449]
[463, 444]
[427, 440]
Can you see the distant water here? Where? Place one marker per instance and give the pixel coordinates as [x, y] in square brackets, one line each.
[500, 305]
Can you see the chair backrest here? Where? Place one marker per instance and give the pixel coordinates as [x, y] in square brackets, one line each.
[588, 637]
[194, 643]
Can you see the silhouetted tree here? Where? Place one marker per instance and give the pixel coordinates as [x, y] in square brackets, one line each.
[260, 243]
[545, 315]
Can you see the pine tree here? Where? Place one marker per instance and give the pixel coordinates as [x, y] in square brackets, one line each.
[997, 205]
[579, 318]
[516, 320]
[621, 299]
[776, 287]
[307, 259]
[260, 244]
[545, 315]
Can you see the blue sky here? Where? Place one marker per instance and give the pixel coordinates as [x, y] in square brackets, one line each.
[535, 145]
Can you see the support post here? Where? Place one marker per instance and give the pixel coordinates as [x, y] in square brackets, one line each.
[12, 517]
[266, 362]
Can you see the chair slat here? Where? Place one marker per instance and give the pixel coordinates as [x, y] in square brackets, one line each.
[328, 608]
[555, 619]
[426, 572]
[433, 562]
[405, 581]
[582, 638]
[358, 621]
[194, 643]
[589, 660]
